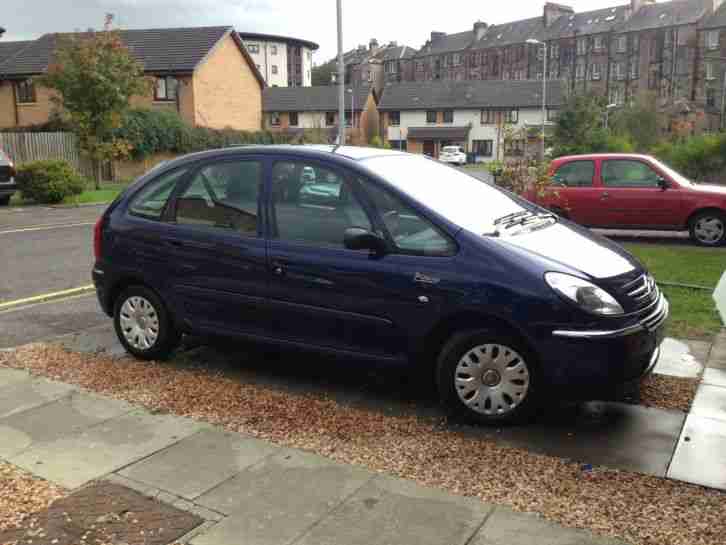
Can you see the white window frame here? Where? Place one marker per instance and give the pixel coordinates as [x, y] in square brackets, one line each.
[622, 44]
[710, 71]
[597, 43]
[275, 119]
[712, 39]
[253, 48]
[582, 46]
[273, 50]
[596, 72]
[273, 69]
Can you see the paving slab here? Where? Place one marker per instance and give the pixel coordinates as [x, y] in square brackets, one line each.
[700, 457]
[388, 510]
[206, 459]
[682, 358]
[506, 527]
[616, 435]
[20, 395]
[714, 377]
[278, 499]
[52, 421]
[717, 357]
[9, 376]
[74, 460]
[710, 402]
[95, 340]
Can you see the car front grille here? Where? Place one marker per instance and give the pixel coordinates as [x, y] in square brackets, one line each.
[637, 294]
[4, 173]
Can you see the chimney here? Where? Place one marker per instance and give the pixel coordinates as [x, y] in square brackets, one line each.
[394, 43]
[553, 11]
[717, 4]
[437, 36]
[373, 44]
[361, 48]
[480, 28]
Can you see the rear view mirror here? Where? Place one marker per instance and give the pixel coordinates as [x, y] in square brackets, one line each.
[357, 238]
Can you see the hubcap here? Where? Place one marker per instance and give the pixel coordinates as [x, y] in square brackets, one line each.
[709, 230]
[492, 379]
[139, 323]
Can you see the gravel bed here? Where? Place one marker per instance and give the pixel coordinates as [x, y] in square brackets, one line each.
[665, 392]
[22, 495]
[636, 508]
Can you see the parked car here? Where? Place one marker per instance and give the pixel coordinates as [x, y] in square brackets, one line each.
[7, 179]
[504, 304]
[620, 191]
[453, 154]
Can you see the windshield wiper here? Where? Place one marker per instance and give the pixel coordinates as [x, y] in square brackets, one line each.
[511, 217]
[534, 218]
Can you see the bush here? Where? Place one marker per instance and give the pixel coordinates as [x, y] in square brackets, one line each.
[697, 157]
[49, 182]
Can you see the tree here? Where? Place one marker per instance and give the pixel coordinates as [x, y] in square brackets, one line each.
[321, 75]
[95, 75]
[579, 127]
[639, 123]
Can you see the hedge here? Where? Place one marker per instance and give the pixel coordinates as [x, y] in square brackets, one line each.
[49, 181]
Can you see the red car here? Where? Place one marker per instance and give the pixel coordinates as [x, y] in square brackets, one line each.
[623, 191]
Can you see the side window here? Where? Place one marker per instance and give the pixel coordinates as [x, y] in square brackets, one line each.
[223, 196]
[151, 202]
[314, 205]
[628, 173]
[411, 232]
[575, 174]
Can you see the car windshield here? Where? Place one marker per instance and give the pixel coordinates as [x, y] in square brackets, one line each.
[675, 176]
[459, 197]
[451, 149]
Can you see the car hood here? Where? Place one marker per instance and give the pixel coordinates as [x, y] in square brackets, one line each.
[707, 188]
[576, 248]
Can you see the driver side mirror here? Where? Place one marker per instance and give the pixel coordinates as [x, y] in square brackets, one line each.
[357, 238]
[663, 183]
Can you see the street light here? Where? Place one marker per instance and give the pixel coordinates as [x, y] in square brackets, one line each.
[607, 114]
[341, 77]
[532, 41]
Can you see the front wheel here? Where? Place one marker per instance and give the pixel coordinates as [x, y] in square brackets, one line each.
[487, 376]
[708, 228]
[4, 201]
[143, 324]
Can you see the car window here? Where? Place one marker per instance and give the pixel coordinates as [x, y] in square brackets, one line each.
[411, 232]
[313, 204]
[223, 196]
[575, 174]
[628, 173]
[151, 201]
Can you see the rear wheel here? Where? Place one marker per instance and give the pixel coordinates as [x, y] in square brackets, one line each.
[4, 201]
[143, 324]
[708, 228]
[487, 376]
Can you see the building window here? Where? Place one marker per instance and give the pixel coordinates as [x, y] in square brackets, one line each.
[448, 116]
[370, 76]
[431, 116]
[512, 116]
[514, 148]
[488, 116]
[710, 73]
[597, 43]
[617, 95]
[253, 48]
[580, 70]
[581, 46]
[394, 118]
[166, 88]
[330, 119]
[552, 114]
[483, 148]
[349, 116]
[274, 119]
[25, 92]
[457, 59]
[634, 70]
[712, 39]
[618, 71]
[400, 145]
[274, 69]
[273, 50]
[294, 121]
[622, 44]
[711, 97]
[596, 72]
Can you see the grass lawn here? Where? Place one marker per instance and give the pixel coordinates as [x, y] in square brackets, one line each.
[693, 312]
[106, 194]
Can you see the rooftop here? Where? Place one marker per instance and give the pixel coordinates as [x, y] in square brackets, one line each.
[310, 99]
[278, 38]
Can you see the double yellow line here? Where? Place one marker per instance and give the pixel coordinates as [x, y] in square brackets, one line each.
[44, 298]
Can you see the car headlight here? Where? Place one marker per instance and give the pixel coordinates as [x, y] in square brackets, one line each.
[584, 294]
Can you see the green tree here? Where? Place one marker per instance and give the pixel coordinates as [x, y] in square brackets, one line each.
[95, 75]
[637, 122]
[579, 127]
[321, 74]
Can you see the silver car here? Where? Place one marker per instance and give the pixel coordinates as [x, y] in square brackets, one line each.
[7, 179]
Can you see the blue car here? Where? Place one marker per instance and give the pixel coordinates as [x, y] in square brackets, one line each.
[406, 262]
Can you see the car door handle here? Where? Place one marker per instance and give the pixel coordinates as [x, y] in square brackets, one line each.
[605, 195]
[278, 269]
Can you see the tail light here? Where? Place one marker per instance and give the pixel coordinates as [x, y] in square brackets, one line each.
[98, 238]
[13, 172]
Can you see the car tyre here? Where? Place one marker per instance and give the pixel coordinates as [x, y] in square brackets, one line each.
[143, 324]
[487, 376]
[708, 228]
[5, 201]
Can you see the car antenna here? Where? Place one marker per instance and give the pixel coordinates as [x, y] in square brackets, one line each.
[336, 148]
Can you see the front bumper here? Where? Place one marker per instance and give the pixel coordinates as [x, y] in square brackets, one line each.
[8, 188]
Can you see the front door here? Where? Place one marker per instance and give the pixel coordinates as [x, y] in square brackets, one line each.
[218, 248]
[429, 148]
[634, 196]
[324, 294]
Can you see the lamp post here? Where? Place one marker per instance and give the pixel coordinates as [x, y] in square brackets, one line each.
[544, 91]
[607, 114]
[341, 77]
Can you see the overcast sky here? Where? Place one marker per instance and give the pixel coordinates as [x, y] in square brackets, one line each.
[407, 21]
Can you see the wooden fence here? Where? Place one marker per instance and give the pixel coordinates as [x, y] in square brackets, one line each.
[24, 147]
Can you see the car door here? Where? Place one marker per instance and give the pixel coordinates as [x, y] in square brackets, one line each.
[324, 294]
[575, 193]
[635, 196]
[217, 246]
